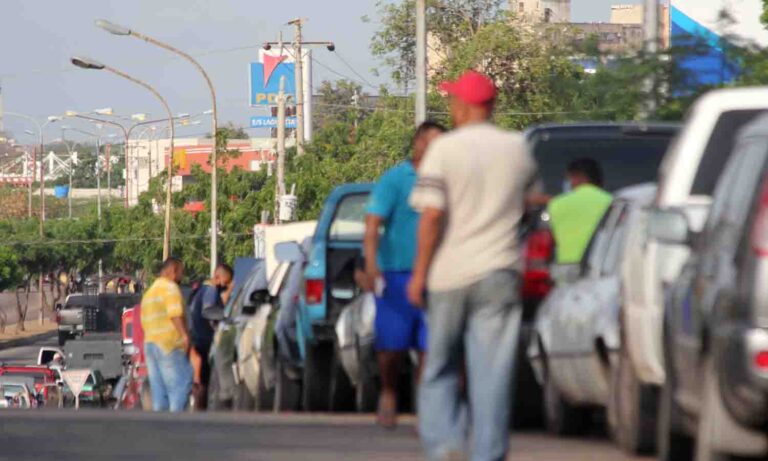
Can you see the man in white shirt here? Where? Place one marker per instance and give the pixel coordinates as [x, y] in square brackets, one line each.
[471, 190]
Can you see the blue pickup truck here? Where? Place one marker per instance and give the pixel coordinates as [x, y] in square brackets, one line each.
[329, 286]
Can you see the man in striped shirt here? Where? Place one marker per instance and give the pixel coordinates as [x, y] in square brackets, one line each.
[166, 340]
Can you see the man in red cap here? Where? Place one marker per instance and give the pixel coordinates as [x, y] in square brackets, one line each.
[472, 188]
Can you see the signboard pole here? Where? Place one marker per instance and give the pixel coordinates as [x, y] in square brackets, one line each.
[281, 148]
[298, 58]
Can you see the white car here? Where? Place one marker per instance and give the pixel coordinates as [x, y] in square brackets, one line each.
[686, 182]
[576, 333]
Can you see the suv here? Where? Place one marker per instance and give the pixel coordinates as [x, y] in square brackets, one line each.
[687, 180]
[329, 286]
[715, 336]
[630, 153]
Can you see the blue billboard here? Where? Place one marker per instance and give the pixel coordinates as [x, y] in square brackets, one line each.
[265, 82]
[271, 122]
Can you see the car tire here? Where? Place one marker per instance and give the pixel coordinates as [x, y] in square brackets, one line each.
[214, 389]
[243, 399]
[63, 337]
[287, 390]
[527, 393]
[316, 382]
[632, 409]
[265, 399]
[560, 417]
[368, 386]
[342, 395]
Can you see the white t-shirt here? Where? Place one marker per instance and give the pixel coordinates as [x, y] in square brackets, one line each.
[479, 175]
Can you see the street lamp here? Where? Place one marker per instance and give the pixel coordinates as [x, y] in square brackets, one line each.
[86, 63]
[116, 29]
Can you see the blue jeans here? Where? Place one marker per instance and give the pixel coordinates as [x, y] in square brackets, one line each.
[479, 323]
[170, 378]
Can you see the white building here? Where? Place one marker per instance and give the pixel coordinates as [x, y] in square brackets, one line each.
[538, 11]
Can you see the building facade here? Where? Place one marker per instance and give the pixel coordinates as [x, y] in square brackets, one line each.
[542, 11]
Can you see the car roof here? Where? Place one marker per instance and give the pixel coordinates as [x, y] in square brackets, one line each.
[605, 129]
[642, 194]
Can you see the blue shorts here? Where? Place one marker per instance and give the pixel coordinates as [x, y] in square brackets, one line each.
[400, 326]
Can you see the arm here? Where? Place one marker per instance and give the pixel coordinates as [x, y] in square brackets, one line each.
[181, 327]
[175, 312]
[371, 249]
[430, 228]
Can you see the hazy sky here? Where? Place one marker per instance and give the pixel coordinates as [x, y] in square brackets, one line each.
[39, 36]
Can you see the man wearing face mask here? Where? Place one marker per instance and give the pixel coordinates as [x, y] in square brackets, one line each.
[575, 214]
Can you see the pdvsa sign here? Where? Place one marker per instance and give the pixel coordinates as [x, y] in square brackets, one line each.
[265, 80]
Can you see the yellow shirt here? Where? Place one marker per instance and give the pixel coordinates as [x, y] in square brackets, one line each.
[162, 302]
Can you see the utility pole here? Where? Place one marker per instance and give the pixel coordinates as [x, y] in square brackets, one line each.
[107, 150]
[98, 201]
[651, 28]
[421, 61]
[298, 69]
[280, 149]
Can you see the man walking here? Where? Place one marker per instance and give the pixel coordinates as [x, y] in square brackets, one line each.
[388, 261]
[575, 215]
[166, 341]
[471, 192]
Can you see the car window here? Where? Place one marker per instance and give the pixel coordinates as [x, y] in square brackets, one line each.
[627, 160]
[746, 183]
[719, 148]
[722, 193]
[349, 220]
[278, 278]
[615, 246]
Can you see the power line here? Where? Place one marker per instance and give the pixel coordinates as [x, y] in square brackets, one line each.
[410, 111]
[339, 74]
[344, 61]
[116, 240]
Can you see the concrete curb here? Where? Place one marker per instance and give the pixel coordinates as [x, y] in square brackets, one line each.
[28, 340]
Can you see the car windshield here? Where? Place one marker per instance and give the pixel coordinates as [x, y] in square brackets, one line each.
[626, 159]
[11, 390]
[348, 222]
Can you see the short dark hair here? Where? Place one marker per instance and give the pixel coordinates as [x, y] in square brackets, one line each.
[171, 262]
[226, 268]
[426, 126]
[589, 168]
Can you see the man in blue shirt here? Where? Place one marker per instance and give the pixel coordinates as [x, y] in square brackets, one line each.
[389, 257]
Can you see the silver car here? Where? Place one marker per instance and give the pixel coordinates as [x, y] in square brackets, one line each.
[576, 333]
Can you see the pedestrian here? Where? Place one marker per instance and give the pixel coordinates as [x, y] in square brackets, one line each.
[472, 190]
[166, 341]
[575, 215]
[208, 296]
[389, 256]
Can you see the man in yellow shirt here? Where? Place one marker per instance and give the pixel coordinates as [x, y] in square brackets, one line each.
[166, 341]
[575, 214]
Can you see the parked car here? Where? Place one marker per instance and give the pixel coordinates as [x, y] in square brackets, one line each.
[70, 316]
[250, 275]
[576, 333]
[16, 393]
[42, 378]
[715, 336]
[258, 359]
[328, 287]
[687, 179]
[630, 153]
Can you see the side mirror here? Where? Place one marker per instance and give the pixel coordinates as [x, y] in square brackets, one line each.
[257, 299]
[670, 227]
[289, 252]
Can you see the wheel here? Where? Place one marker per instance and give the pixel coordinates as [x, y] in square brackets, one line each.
[63, 337]
[214, 389]
[316, 386]
[560, 417]
[287, 390]
[243, 399]
[368, 386]
[528, 395]
[265, 398]
[632, 409]
[342, 396]
[672, 444]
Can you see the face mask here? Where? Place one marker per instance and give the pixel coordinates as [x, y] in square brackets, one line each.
[566, 186]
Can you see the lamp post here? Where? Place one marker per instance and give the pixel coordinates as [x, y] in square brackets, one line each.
[69, 163]
[85, 63]
[120, 30]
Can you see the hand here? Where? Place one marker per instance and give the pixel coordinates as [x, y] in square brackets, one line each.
[416, 288]
[372, 273]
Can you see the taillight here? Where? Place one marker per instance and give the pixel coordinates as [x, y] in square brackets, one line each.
[760, 227]
[58, 317]
[539, 249]
[760, 360]
[314, 291]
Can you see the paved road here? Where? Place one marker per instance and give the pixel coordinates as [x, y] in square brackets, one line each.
[103, 435]
[106, 435]
[25, 355]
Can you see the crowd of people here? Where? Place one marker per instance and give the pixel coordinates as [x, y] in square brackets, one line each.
[444, 272]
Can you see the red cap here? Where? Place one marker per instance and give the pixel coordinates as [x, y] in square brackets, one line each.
[472, 88]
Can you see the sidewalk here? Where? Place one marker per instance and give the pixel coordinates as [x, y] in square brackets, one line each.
[33, 333]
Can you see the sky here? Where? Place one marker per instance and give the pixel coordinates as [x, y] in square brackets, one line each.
[39, 37]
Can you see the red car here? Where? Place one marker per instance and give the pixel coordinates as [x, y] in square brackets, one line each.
[135, 386]
[43, 377]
